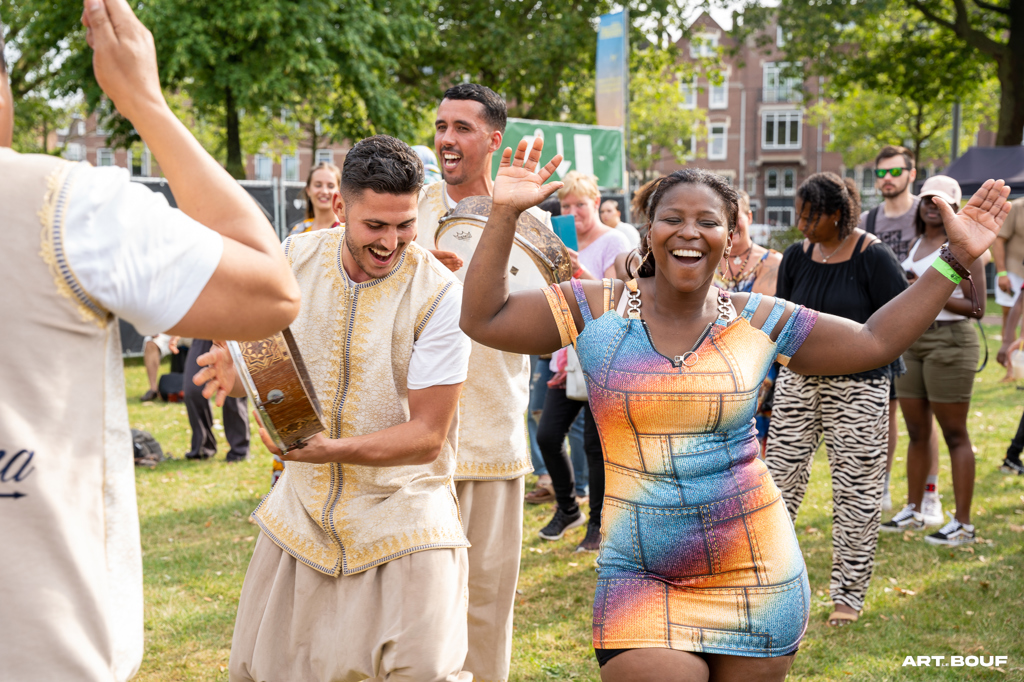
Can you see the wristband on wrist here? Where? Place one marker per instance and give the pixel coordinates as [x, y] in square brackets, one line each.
[958, 268]
[955, 271]
[947, 271]
[1002, 273]
[576, 274]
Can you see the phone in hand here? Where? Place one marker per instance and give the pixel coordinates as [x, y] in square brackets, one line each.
[565, 227]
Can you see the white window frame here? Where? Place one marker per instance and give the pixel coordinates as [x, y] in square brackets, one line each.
[769, 191]
[290, 163]
[791, 190]
[780, 37]
[703, 45]
[323, 156]
[74, 151]
[80, 128]
[714, 138]
[718, 95]
[692, 154]
[103, 155]
[789, 116]
[263, 167]
[867, 179]
[689, 91]
[145, 169]
[775, 88]
[768, 210]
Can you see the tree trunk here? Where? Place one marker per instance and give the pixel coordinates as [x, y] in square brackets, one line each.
[915, 130]
[314, 141]
[234, 164]
[1011, 98]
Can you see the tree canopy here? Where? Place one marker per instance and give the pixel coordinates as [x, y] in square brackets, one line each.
[932, 52]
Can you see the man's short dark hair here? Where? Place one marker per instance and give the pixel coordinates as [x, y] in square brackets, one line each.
[495, 112]
[381, 163]
[890, 151]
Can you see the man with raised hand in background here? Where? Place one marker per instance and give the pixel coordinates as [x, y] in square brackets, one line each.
[493, 451]
[82, 247]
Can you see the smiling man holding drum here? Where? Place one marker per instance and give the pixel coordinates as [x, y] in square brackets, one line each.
[360, 571]
[493, 453]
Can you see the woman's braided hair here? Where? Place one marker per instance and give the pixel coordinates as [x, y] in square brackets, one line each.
[652, 193]
[826, 193]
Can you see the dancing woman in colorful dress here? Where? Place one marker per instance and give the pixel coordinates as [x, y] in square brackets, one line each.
[699, 574]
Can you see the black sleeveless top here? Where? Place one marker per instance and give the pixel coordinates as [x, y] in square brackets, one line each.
[853, 289]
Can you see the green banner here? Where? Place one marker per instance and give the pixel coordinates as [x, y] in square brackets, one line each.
[596, 150]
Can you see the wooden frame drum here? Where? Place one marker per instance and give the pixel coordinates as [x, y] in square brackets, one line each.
[538, 257]
[276, 381]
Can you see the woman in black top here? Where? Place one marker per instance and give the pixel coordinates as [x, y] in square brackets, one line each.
[844, 271]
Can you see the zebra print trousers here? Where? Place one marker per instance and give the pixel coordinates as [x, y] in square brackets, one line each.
[853, 417]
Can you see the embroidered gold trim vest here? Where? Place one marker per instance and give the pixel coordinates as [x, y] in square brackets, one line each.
[71, 574]
[356, 341]
[492, 434]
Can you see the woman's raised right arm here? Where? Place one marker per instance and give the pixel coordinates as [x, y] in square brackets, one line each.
[521, 322]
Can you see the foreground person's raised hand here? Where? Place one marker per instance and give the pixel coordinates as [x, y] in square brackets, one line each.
[252, 293]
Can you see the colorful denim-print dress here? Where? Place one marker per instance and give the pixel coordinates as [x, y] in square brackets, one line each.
[698, 552]
[763, 416]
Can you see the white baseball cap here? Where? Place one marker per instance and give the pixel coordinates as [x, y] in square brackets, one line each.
[943, 187]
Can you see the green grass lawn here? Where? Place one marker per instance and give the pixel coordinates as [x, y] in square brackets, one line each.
[923, 601]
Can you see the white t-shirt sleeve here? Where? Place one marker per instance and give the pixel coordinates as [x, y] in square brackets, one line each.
[440, 356]
[135, 255]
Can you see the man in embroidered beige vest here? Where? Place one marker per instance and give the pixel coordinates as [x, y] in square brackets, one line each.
[360, 571]
[493, 451]
[75, 256]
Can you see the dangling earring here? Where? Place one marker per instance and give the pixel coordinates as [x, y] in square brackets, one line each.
[728, 247]
[647, 255]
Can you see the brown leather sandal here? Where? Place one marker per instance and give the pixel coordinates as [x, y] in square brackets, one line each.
[540, 495]
[840, 618]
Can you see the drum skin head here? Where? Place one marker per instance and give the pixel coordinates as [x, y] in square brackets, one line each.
[538, 258]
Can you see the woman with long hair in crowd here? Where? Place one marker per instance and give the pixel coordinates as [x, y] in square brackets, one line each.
[750, 267]
[940, 378]
[322, 183]
[700, 575]
[841, 270]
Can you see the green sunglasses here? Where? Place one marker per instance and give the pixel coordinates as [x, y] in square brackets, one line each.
[895, 172]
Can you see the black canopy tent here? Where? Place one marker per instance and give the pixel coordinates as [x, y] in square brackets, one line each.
[978, 164]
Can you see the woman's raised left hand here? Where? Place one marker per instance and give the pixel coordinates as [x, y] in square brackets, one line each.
[975, 227]
[519, 183]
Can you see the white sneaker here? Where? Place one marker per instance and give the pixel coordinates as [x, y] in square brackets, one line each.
[931, 509]
[952, 534]
[886, 501]
[905, 519]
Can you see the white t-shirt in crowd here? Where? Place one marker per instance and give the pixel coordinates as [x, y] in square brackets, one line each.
[632, 234]
[440, 356]
[919, 267]
[139, 258]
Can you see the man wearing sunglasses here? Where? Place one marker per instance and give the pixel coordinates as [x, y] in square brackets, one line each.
[893, 219]
[893, 222]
